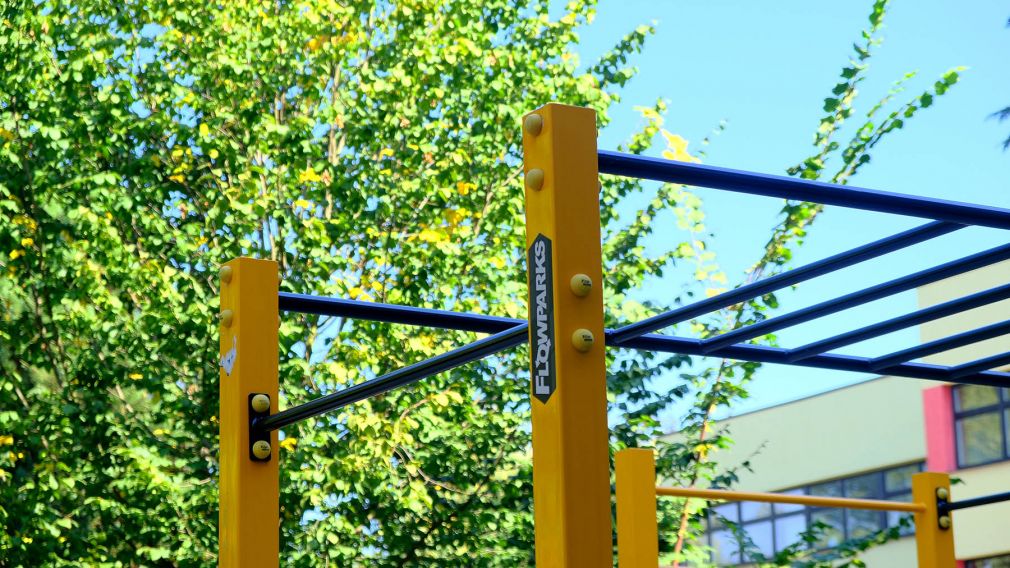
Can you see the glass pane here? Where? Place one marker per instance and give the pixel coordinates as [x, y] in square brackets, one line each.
[728, 511]
[967, 397]
[724, 548]
[863, 487]
[894, 517]
[1006, 434]
[979, 439]
[750, 510]
[760, 535]
[995, 562]
[785, 508]
[832, 534]
[788, 529]
[899, 478]
[861, 523]
[829, 489]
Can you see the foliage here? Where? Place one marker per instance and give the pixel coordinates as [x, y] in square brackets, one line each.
[373, 151]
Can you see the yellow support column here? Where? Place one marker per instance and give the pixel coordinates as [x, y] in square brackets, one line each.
[637, 533]
[571, 468]
[248, 530]
[934, 534]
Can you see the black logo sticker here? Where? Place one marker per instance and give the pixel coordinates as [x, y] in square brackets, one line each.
[541, 286]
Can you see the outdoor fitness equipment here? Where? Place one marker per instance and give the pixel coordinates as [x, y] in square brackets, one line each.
[571, 471]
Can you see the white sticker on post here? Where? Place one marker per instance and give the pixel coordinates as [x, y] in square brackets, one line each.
[228, 360]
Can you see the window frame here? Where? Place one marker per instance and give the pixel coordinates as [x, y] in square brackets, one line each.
[1001, 408]
[807, 512]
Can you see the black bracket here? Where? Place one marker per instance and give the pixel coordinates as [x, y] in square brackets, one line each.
[942, 511]
[257, 434]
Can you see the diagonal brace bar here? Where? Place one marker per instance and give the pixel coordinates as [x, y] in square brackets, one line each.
[644, 167]
[794, 276]
[901, 322]
[941, 345]
[953, 268]
[398, 378]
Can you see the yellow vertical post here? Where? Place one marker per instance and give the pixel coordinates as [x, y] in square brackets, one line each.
[637, 533]
[248, 530]
[571, 467]
[934, 538]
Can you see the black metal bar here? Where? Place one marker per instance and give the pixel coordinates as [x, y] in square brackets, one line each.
[794, 276]
[941, 345]
[643, 167]
[974, 502]
[392, 313]
[901, 322]
[398, 378]
[775, 355]
[883, 290]
[983, 364]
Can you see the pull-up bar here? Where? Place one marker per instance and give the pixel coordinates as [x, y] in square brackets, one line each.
[643, 167]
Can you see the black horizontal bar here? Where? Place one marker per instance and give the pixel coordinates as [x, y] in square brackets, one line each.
[974, 502]
[901, 322]
[953, 268]
[392, 313]
[941, 345]
[657, 169]
[794, 276]
[776, 355]
[398, 378]
[983, 364]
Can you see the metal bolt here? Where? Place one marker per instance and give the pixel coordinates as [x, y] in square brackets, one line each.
[261, 449]
[533, 124]
[535, 179]
[261, 403]
[225, 273]
[944, 522]
[942, 493]
[581, 285]
[599, 187]
[582, 340]
[226, 317]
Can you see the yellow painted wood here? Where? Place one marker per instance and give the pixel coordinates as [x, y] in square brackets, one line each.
[248, 530]
[637, 533]
[571, 469]
[935, 545]
[841, 502]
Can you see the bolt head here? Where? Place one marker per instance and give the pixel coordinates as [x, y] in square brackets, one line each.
[261, 403]
[533, 124]
[535, 179]
[581, 285]
[944, 522]
[942, 493]
[261, 449]
[226, 273]
[582, 340]
[227, 316]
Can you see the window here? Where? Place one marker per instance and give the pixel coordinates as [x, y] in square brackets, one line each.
[994, 562]
[982, 424]
[771, 527]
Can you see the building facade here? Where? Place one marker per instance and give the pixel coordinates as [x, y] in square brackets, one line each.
[866, 440]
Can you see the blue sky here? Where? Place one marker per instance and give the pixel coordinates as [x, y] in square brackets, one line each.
[766, 68]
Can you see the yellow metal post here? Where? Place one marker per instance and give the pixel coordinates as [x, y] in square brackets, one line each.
[637, 533]
[571, 468]
[934, 538]
[249, 490]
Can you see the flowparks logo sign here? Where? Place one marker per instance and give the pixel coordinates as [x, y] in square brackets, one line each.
[541, 286]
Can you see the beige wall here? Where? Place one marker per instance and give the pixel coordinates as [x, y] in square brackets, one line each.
[863, 427]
